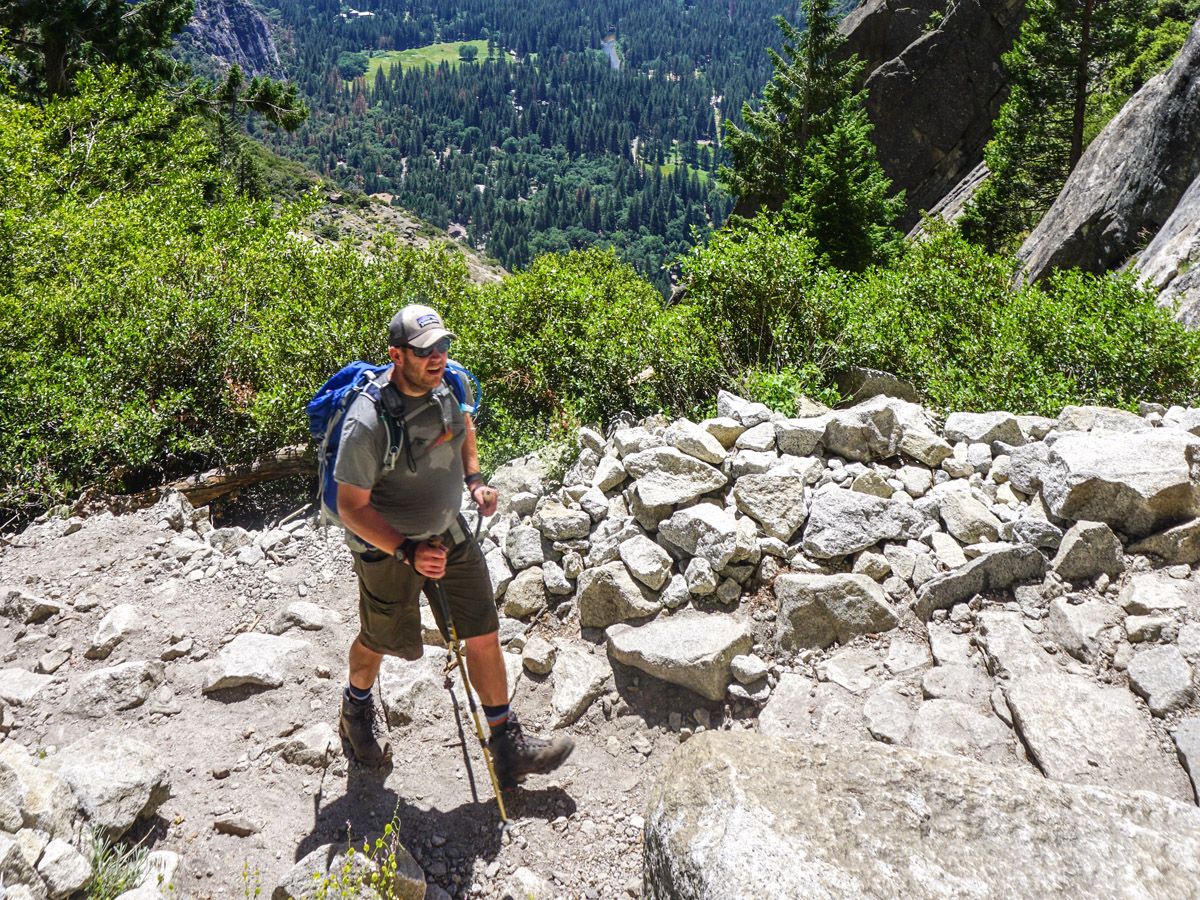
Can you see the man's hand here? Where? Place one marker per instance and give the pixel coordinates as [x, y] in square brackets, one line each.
[485, 498]
[430, 560]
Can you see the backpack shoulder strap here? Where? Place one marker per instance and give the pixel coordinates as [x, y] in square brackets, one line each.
[391, 409]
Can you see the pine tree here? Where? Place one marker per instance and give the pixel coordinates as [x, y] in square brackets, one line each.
[807, 149]
[52, 40]
[1059, 66]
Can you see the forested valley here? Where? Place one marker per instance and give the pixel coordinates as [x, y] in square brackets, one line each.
[539, 144]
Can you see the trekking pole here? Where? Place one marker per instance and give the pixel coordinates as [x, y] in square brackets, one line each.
[455, 658]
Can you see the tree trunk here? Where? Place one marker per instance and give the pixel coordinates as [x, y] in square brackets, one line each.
[1081, 84]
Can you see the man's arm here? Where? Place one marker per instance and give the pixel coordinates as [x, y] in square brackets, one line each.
[484, 496]
[356, 511]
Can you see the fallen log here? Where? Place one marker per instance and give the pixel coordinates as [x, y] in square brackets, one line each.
[204, 487]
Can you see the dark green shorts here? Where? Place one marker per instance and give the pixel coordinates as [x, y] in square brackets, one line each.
[389, 611]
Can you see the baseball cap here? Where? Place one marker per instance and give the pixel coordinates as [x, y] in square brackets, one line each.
[417, 326]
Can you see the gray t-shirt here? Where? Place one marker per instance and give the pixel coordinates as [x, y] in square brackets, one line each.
[418, 500]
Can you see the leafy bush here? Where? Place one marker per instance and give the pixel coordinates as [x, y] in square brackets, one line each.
[946, 316]
[576, 338]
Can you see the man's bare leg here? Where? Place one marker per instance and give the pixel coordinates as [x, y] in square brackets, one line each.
[485, 660]
[364, 666]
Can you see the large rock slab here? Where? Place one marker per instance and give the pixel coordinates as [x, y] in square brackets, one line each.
[608, 594]
[737, 814]
[1168, 264]
[116, 779]
[667, 477]
[941, 135]
[817, 610]
[691, 649]
[950, 726]
[1079, 732]
[1138, 483]
[1130, 178]
[842, 522]
[995, 571]
[252, 658]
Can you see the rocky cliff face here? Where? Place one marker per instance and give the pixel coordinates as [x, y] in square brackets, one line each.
[1130, 180]
[948, 82]
[233, 31]
[1171, 264]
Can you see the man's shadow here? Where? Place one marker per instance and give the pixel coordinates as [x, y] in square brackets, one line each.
[472, 830]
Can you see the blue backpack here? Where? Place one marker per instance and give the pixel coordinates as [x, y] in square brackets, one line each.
[327, 411]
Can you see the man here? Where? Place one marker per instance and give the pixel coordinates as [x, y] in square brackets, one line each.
[404, 529]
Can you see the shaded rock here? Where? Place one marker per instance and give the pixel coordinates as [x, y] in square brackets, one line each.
[1140, 483]
[1179, 544]
[876, 429]
[579, 678]
[1162, 677]
[738, 814]
[108, 691]
[254, 659]
[1130, 178]
[1077, 627]
[842, 522]
[949, 726]
[858, 384]
[1079, 732]
[691, 649]
[1027, 466]
[817, 610]
[25, 608]
[1088, 549]
[608, 594]
[774, 501]
[724, 429]
[116, 779]
[889, 713]
[994, 571]
[667, 477]
[499, 572]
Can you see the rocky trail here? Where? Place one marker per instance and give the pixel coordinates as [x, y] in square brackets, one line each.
[854, 614]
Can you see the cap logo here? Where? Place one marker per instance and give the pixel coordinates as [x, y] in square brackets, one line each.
[429, 319]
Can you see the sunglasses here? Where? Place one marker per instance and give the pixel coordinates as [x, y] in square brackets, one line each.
[442, 346]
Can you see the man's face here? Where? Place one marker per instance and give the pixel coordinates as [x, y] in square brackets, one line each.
[422, 374]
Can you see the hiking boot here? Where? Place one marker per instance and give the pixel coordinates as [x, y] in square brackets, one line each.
[516, 754]
[357, 728]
